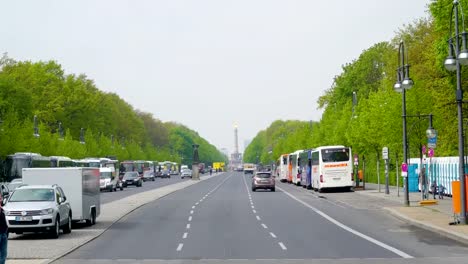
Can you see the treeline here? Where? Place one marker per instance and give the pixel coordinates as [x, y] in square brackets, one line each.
[376, 120]
[71, 102]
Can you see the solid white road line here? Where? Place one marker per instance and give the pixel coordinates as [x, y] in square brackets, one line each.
[191, 212]
[188, 226]
[282, 246]
[264, 226]
[258, 217]
[185, 235]
[179, 248]
[190, 218]
[349, 229]
[272, 234]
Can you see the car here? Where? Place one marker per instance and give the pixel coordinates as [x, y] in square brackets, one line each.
[263, 180]
[148, 176]
[38, 208]
[186, 173]
[14, 184]
[132, 178]
[165, 174]
[109, 182]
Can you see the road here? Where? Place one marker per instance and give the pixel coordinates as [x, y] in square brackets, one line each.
[222, 220]
[107, 197]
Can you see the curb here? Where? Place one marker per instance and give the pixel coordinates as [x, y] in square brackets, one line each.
[446, 233]
[51, 260]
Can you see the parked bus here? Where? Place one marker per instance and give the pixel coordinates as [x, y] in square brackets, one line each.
[127, 165]
[332, 167]
[283, 167]
[294, 175]
[61, 161]
[305, 166]
[14, 164]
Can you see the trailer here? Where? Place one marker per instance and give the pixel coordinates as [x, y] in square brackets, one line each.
[81, 187]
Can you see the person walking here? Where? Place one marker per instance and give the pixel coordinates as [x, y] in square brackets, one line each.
[3, 234]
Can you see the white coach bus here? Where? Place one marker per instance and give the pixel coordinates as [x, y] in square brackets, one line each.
[332, 167]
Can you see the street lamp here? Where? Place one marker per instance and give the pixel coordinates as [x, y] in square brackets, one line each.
[453, 62]
[402, 84]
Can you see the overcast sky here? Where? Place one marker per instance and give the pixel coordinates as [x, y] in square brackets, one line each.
[206, 63]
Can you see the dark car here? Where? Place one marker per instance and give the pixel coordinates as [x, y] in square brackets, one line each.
[263, 180]
[132, 178]
[165, 174]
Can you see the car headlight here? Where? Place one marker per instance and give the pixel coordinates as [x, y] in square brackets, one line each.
[47, 211]
[136, 179]
[6, 212]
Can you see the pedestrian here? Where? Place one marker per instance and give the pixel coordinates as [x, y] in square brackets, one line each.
[211, 171]
[3, 234]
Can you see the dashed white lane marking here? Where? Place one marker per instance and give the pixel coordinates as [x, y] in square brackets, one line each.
[272, 234]
[188, 226]
[254, 211]
[258, 217]
[190, 218]
[253, 207]
[179, 248]
[193, 207]
[282, 246]
[198, 202]
[191, 212]
[347, 228]
[264, 226]
[185, 235]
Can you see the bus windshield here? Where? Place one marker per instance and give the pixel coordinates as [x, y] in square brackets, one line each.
[126, 167]
[14, 166]
[335, 155]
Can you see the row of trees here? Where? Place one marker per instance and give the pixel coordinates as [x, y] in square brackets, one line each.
[375, 121]
[112, 126]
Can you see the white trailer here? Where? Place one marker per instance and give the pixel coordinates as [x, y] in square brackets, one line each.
[81, 187]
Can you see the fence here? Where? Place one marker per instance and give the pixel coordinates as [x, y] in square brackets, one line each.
[441, 170]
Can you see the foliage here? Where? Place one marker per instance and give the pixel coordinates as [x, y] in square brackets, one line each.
[377, 118]
[112, 126]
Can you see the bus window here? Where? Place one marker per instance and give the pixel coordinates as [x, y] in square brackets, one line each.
[335, 155]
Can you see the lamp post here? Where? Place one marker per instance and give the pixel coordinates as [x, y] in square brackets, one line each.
[453, 62]
[195, 168]
[402, 84]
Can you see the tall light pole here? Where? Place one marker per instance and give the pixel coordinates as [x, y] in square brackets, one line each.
[402, 84]
[453, 62]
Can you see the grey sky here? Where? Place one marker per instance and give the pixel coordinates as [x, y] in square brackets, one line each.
[206, 63]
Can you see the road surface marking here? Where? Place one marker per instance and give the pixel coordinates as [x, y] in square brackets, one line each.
[185, 235]
[198, 202]
[272, 234]
[258, 217]
[179, 248]
[264, 226]
[347, 228]
[254, 211]
[188, 226]
[193, 207]
[190, 218]
[191, 212]
[282, 245]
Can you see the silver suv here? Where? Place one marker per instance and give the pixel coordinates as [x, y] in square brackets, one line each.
[38, 208]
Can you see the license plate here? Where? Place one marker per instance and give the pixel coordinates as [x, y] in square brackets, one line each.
[24, 218]
[337, 179]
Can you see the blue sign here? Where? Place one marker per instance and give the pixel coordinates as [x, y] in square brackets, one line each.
[432, 142]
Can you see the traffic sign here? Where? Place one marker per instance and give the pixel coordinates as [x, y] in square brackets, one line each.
[424, 149]
[431, 152]
[385, 153]
[432, 142]
[404, 169]
[356, 160]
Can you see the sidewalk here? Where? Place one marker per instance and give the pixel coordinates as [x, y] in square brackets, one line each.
[434, 218]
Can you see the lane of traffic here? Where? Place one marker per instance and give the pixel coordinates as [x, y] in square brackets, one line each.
[150, 232]
[365, 215]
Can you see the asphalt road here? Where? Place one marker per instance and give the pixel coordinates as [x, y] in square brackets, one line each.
[222, 220]
[107, 196]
